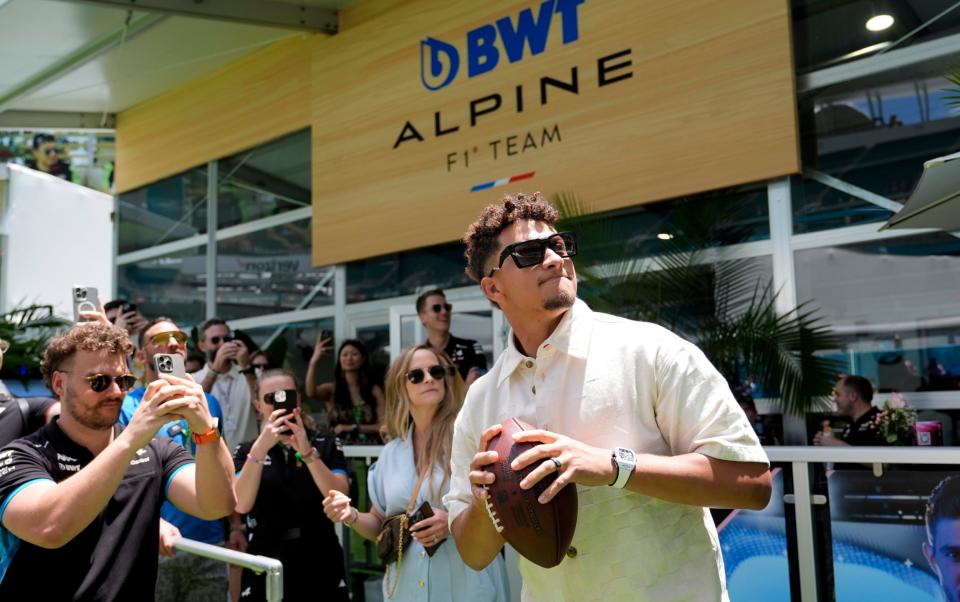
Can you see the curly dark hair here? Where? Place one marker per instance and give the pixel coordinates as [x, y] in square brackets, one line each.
[86, 336]
[481, 236]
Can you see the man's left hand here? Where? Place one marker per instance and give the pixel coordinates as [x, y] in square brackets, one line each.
[579, 463]
[169, 534]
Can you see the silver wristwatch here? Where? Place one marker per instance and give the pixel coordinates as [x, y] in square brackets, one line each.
[626, 461]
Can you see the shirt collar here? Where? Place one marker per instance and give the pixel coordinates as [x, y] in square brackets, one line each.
[62, 442]
[571, 336]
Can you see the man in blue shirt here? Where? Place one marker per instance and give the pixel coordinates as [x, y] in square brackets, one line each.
[180, 577]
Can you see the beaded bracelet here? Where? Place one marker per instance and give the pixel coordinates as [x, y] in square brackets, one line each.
[254, 460]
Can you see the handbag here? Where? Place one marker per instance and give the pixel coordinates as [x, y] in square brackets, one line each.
[395, 537]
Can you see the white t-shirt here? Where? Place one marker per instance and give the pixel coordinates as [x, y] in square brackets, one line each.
[611, 382]
[233, 393]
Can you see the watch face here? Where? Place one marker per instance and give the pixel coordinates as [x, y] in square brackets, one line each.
[625, 454]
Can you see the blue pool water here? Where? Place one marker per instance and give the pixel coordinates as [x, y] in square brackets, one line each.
[757, 570]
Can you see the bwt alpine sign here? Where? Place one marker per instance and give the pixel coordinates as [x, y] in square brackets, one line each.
[440, 61]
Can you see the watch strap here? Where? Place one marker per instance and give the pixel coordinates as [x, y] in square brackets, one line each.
[211, 435]
[624, 469]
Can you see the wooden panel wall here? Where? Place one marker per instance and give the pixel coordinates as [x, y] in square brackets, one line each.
[710, 103]
[252, 101]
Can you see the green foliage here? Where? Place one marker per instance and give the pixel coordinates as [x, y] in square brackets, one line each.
[952, 97]
[28, 329]
[724, 307]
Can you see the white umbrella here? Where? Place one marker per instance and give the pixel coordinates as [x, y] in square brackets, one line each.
[935, 202]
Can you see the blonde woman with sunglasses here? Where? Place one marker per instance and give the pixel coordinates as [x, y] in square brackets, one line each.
[424, 393]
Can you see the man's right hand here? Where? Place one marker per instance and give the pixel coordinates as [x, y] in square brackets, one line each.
[169, 534]
[480, 478]
[223, 357]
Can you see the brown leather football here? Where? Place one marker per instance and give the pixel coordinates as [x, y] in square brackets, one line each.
[541, 533]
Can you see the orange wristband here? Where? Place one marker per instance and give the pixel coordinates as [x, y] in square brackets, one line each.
[211, 435]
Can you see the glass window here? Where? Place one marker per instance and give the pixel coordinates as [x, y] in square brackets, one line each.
[290, 346]
[874, 134]
[712, 219]
[829, 33]
[174, 285]
[267, 180]
[270, 271]
[171, 209]
[893, 304]
[405, 273]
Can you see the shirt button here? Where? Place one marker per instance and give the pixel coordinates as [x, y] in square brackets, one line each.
[572, 552]
[528, 364]
[421, 584]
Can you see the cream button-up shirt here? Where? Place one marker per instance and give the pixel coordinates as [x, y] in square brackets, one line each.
[611, 382]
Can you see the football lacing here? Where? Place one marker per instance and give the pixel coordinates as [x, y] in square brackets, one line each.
[493, 513]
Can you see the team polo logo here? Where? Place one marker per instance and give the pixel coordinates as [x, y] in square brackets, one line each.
[440, 60]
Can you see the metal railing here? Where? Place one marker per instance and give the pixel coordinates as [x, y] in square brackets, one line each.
[803, 498]
[258, 564]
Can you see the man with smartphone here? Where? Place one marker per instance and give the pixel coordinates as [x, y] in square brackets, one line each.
[435, 314]
[126, 315]
[80, 498]
[230, 378]
[162, 349]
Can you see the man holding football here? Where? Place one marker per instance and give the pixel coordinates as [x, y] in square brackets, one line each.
[633, 416]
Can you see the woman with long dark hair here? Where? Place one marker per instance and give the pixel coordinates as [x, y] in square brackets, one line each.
[354, 400]
[424, 395]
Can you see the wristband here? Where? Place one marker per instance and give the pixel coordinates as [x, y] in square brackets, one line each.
[307, 459]
[355, 515]
[213, 370]
[211, 435]
[254, 460]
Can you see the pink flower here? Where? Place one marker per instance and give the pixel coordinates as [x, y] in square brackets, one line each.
[896, 401]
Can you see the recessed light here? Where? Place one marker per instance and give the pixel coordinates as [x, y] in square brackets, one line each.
[665, 236]
[880, 22]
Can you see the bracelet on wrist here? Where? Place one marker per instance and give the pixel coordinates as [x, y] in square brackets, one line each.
[213, 370]
[253, 459]
[307, 459]
[355, 515]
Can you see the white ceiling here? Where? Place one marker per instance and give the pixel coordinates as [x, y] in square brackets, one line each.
[39, 34]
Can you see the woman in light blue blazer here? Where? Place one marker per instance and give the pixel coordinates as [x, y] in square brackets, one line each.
[424, 394]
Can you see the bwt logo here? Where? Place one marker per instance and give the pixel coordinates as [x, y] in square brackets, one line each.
[440, 61]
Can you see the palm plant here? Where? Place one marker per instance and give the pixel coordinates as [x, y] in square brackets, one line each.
[28, 329]
[725, 307]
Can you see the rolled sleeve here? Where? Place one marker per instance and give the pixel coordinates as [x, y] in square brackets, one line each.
[465, 443]
[697, 413]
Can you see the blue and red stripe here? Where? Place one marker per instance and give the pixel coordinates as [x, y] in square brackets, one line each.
[503, 181]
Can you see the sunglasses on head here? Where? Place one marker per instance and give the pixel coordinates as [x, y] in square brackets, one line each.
[101, 382]
[528, 253]
[437, 372]
[225, 338]
[164, 337]
[437, 307]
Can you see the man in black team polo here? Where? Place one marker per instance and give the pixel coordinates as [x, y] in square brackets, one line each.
[93, 536]
[854, 398]
[435, 314]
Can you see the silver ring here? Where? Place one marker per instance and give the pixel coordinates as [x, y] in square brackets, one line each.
[556, 463]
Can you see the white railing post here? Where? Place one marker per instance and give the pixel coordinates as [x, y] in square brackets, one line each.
[258, 564]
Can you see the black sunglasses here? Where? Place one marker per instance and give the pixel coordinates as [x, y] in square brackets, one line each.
[437, 372]
[101, 382]
[528, 253]
[436, 307]
[225, 338]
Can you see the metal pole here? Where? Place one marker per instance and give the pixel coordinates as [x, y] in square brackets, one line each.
[258, 564]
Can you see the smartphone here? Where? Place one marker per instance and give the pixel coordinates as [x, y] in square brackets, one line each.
[127, 307]
[169, 363]
[326, 335]
[84, 299]
[284, 399]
